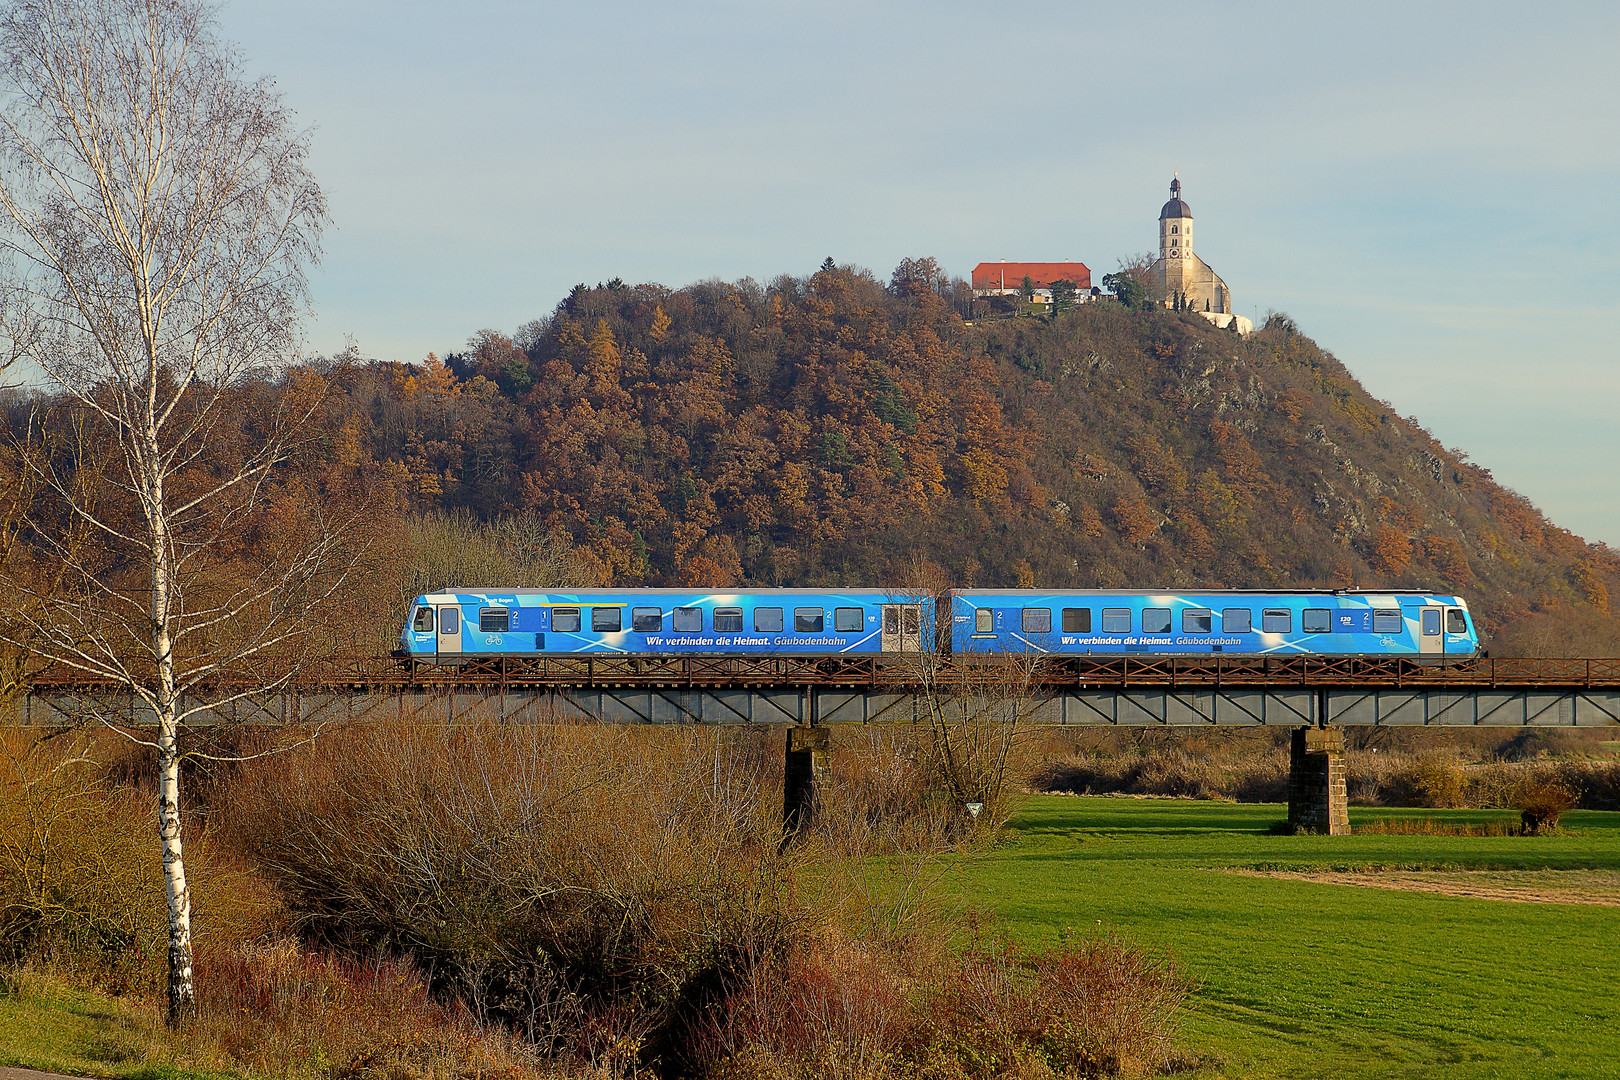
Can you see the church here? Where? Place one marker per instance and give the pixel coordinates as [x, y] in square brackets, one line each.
[1181, 278]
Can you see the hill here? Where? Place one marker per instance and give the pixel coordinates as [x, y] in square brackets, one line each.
[835, 429]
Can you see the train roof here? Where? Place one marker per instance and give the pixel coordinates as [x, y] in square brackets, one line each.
[1204, 592]
[696, 590]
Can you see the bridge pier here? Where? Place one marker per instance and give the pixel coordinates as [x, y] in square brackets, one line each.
[1317, 800]
[805, 772]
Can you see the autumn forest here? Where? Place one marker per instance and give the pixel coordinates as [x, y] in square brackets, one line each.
[837, 429]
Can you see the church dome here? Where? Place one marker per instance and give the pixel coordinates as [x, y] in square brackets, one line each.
[1175, 208]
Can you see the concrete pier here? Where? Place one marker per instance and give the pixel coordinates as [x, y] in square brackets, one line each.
[1317, 801]
[806, 771]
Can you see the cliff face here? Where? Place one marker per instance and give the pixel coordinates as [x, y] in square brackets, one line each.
[837, 430]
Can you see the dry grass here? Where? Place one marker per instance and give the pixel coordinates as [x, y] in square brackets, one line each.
[1501, 769]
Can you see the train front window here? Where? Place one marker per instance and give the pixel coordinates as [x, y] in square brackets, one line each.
[1037, 620]
[1116, 620]
[1276, 620]
[849, 620]
[984, 621]
[607, 620]
[1456, 621]
[1387, 622]
[728, 620]
[647, 620]
[687, 620]
[494, 620]
[807, 620]
[1197, 620]
[423, 623]
[1317, 620]
[1156, 620]
[565, 620]
[767, 620]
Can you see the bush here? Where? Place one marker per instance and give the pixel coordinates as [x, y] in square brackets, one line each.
[1100, 1008]
[1541, 801]
[79, 876]
[590, 885]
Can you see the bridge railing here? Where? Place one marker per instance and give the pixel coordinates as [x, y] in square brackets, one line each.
[351, 674]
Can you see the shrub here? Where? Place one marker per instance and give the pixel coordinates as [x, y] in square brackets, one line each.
[1541, 801]
[79, 875]
[588, 885]
[1099, 1008]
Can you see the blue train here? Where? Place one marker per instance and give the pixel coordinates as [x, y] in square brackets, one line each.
[1091, 623]
[448, 627]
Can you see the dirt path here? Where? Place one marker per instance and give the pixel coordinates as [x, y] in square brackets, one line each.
[11, 1072]
[1601, 887]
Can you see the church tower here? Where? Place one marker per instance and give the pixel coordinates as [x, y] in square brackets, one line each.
[1183, 280]
[1175, 242]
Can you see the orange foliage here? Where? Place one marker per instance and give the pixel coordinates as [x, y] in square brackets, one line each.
[1389, 551]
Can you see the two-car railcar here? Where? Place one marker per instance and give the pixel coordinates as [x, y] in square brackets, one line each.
[448, 627]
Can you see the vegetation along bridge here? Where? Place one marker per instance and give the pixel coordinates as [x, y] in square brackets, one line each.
[1315, 696]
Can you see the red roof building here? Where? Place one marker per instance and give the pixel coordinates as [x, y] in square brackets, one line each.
[995, 277]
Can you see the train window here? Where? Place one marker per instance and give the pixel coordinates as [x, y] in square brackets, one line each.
[984, 621]
[1317, 620]
[1431, 621]
[911, 619]
[423, 623]
[450, 621]
[647, 620]
[687, 620]
[494, 620]
[1236, 620]
[565, 620]
[1387, 622]
[1156, 620]
[1116, 620]
[607, 620]
[768, 620]
[1276, 620]
[1077, 620]
[849, 620]
[1037, 620]
[807, 620]
[1456, 621]
[1196, 620]
[728, 620]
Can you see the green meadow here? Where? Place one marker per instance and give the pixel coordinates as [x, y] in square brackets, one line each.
[1301, 979]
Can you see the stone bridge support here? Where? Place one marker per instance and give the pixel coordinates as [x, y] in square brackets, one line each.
[806, 773]
[1317, 801]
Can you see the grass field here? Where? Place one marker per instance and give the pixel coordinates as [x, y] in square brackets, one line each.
[1301, 979]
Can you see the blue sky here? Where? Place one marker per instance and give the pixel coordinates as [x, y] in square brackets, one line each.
[1427, 189]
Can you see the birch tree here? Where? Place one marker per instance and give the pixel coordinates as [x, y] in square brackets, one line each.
[159, 218]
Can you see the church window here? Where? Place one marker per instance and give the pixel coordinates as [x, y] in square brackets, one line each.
[1173, 228]
[1174, 243]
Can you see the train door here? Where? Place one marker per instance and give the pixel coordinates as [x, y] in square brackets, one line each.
[1457, 632]
[902, 627]
[1430, 641]
[449, 632]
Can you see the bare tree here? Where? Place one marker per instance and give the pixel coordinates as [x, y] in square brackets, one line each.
[157, 219]
[973, 710]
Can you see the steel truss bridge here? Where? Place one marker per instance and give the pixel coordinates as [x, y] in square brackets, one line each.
[1124, 691]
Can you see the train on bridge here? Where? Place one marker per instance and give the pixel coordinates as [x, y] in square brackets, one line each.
[451, 627]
